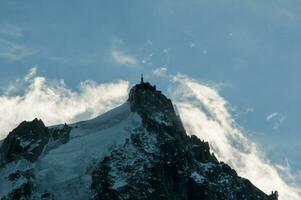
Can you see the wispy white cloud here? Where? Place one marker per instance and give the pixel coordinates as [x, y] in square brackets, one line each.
[18, 86]
[276, 118]
[119, 54]
[123, 58]
[10, 48]
[31, 73]
[166, 50]
[147, 59]
[271, 116]
[14, 51]
[10, 30]
[160, 71]
[244, 112]
[205, 113]
[192, 45]
[54, 102]
[288, 172]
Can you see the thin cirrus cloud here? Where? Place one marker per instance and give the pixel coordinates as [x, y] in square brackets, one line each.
[205, 113]
[10, 30]
[54, 103]
[14, 51]
[161, 72]
[276, 118]
[123, 58]
[10, 48]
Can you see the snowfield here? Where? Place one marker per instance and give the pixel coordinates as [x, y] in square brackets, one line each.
[65, 169]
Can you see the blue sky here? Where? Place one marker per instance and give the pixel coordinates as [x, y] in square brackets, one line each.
[251, 50]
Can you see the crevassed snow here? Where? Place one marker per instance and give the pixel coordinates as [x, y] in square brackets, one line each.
[65, 170]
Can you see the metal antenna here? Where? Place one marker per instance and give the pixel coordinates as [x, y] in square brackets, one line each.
[142, 81]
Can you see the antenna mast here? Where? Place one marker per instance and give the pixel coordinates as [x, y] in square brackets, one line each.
[142, 81]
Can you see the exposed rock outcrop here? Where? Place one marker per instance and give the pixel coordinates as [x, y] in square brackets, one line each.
[26, 141]
[160, 161]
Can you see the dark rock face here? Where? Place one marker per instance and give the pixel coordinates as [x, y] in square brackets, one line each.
[26, 141]
[160, 161]
[156, 111]
[29, 139]
[201, 150]
[61, 134]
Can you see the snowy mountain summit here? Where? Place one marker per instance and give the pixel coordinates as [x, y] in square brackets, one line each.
[139, 150]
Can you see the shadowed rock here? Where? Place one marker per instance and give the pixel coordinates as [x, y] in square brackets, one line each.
[161, 162]
[26, 141]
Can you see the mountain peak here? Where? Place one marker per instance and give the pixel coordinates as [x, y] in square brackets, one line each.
[155, 108]
[139, 150]
[144, 97]
[26, 141]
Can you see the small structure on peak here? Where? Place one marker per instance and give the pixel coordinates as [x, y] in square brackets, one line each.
[144, 89]
[274, 195]
[141, 81]
[145, 85]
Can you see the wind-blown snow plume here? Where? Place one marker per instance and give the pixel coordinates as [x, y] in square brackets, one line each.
[204, 113]
[54, 103]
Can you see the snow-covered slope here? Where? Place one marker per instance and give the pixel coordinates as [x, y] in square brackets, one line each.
[138, 150]
[64, 169]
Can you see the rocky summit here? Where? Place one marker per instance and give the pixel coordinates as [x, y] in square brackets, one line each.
[139, 150]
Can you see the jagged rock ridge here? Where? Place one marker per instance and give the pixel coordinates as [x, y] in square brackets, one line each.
[139, 150]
